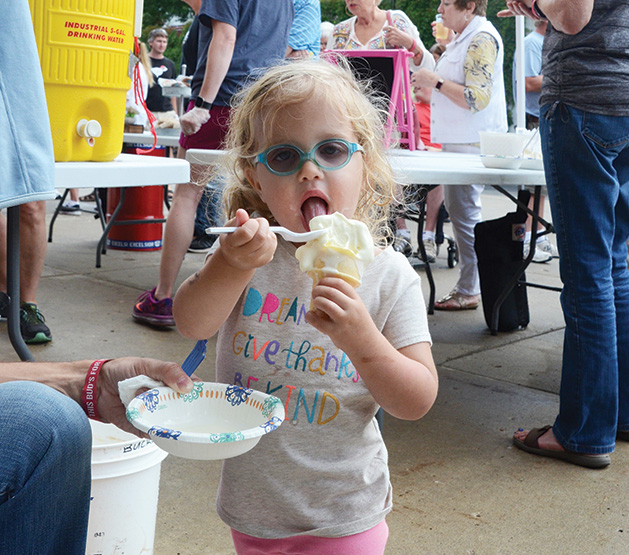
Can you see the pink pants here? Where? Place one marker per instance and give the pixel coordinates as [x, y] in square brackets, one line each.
[369, 542]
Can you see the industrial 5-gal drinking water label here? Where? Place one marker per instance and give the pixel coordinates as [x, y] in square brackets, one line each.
[72, 29]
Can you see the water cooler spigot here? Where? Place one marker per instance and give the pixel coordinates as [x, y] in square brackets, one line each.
[90, 129]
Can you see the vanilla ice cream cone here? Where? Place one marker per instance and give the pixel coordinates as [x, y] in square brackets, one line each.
[344, 251]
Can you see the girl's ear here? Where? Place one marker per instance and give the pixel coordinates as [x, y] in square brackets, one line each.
[250, 174]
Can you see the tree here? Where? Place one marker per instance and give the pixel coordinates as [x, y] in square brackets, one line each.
[163, 13]
[158, 13]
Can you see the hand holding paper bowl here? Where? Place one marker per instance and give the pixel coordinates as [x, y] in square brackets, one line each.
[213, 421]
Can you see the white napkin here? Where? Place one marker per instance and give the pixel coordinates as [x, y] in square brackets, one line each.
[127, 389]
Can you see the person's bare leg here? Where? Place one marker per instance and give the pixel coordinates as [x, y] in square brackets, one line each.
[179, 229]
[540, 213]
[32, 248]
[434, 201]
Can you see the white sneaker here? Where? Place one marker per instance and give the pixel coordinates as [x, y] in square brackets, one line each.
[70, 208]
[432, 250]
[548, 247]
[403, 245]
[543, 251]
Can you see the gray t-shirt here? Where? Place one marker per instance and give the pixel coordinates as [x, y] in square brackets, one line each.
[590, 70]
[262, 29]
[324, 471]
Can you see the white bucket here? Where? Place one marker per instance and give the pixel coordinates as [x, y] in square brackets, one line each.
[125, 486]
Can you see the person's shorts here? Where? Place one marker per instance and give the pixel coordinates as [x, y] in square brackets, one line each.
[212, 133]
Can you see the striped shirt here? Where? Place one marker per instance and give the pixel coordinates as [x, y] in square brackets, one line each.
[305, 34]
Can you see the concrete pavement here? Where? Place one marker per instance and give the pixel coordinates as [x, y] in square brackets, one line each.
[459, 485]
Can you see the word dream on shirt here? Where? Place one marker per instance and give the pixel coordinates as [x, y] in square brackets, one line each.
[305, 356]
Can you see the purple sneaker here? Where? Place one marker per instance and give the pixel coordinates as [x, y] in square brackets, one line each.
[151, 311]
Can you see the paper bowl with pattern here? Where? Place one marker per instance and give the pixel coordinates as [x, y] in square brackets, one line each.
[213, 421]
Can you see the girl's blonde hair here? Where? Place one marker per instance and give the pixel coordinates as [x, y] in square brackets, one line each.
[143, 56]
[258, 108]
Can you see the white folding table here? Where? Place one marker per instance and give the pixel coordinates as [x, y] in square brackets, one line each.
[127, 170]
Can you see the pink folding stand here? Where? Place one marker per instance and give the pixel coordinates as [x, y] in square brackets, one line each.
[401, 107]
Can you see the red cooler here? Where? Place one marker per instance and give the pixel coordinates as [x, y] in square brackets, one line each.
[141, 206]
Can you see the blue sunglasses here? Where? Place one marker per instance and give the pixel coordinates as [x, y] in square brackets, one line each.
[331, 154]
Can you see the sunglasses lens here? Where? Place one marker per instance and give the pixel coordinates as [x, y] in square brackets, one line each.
[283, 159]
[332, 154]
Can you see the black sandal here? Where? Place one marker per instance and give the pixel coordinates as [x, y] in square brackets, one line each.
[88, 198]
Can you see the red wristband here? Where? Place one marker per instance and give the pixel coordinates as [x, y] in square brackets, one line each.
[536, 11]
[413, 47]
[89, 397]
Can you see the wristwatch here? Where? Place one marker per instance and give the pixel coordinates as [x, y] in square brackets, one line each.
[439, 84]
[200, 103]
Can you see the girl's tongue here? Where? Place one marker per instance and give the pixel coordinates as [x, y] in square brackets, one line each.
[314, 206]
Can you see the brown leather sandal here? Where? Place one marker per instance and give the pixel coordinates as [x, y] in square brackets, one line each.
[530, 444]
[88, 198]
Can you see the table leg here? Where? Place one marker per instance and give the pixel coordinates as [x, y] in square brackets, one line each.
[13, 284]
[100, 249]
[56, 213]
[422, 251]
[100, 213]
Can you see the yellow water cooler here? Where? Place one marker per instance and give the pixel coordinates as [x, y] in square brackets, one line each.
[86, 54]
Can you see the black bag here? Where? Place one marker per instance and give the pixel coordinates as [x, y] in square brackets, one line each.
[498, 245]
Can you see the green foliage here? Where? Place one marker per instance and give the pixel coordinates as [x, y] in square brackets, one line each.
[158, 12]
[422, 13]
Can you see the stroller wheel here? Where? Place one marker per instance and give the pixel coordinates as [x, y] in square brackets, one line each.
[453, 254]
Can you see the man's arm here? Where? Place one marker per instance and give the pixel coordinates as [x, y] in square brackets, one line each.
[533, 84]
[65, 377]
[567, 16]
[69, 378]
[219, 57]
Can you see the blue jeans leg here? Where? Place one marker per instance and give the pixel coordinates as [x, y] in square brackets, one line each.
[201, 221]
[586, 159]
[45, 471]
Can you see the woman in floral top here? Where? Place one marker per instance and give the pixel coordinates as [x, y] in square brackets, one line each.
[371, 28]
[468, 98]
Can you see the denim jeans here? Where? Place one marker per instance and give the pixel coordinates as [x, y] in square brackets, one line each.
[586, 159]
[45, 471]
[208, 209]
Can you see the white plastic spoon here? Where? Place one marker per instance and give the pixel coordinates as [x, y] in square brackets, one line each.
[533, 135]
[289, 235]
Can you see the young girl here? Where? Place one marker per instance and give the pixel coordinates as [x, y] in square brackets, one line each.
[320, 483]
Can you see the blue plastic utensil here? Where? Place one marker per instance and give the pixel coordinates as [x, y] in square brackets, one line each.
[196, 357]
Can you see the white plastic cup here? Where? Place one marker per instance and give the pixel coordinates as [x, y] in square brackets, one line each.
[441, 31]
